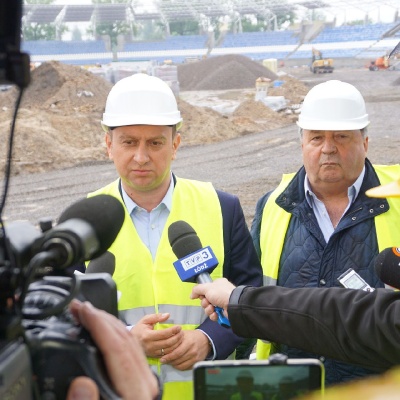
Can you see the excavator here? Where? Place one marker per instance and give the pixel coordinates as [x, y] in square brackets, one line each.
[319, 63]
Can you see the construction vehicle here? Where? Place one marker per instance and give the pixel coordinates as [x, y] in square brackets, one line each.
[319, 63]
[379, 64]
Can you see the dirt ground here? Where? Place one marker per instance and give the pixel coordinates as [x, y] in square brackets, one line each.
[231, 143]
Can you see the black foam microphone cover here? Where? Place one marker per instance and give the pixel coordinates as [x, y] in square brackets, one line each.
[104, 263]
[387, 266]
[183, 239]
[104, 213]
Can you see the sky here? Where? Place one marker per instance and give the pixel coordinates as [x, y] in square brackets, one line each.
[379, 13]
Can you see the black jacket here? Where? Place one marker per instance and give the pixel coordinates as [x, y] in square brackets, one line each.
[353, 326]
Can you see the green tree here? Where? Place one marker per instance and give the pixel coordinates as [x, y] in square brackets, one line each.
[184, 27]
[36, 31]
[366, 21]
[315, 15]
[76, 34]
[287, 17]
[112, 31]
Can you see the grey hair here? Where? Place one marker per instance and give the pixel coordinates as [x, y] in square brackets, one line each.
[364, 132]
[109, 129]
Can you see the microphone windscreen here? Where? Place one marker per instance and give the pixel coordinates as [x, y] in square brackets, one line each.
[104, 263]
[104, 213]
[183, 239]
[387, 266]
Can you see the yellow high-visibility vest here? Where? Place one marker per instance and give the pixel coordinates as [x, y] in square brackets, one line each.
[149, 287]
[273, 232]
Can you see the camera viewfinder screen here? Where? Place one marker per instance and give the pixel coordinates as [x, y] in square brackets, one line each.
[258, 382]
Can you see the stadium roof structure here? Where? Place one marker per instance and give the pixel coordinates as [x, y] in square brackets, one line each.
[178, 10]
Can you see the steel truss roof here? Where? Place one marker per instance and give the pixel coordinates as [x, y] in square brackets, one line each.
[177, 10]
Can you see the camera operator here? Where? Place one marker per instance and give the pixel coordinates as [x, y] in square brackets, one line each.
[124, 358]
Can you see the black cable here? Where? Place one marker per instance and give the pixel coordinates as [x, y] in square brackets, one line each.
[8, 255]
[7, 170]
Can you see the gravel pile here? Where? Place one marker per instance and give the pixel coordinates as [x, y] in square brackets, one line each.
[222, 73]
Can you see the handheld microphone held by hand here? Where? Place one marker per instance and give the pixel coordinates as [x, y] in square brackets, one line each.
[387, 266]
[195, 262]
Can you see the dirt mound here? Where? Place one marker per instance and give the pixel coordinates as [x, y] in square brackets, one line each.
[58, 123]
[204, 125]
[221, 73]
[256, 115]
[292, 89]
[62, 87]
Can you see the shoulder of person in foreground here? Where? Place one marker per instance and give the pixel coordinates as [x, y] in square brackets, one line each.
[350, 325]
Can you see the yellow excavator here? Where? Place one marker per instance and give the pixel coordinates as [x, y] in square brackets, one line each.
[320, 64]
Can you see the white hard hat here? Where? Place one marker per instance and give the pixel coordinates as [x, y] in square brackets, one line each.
[333, 105]
[141, 99]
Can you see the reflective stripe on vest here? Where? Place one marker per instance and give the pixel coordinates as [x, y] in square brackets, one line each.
[272, 234]
[154, 287]
[179, 315]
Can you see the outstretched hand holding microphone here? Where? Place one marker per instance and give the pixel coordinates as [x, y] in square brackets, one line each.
[214, 294]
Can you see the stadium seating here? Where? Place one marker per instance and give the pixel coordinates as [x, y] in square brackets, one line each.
[337, 42]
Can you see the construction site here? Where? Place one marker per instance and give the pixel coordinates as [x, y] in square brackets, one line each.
[239, 143]
[239, 95]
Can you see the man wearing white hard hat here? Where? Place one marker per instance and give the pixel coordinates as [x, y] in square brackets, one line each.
[245, 386]
[319, 222]
[354, 326]
[141, 121]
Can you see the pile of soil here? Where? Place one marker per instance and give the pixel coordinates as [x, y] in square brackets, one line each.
[292, 89]
[222, 73]
[257, 117]
[204, 125]
[58, 124]
[66, 89]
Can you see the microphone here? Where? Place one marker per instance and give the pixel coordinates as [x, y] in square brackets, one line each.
[86, 230]
[387, 266]
[195, 262]
[103, 264]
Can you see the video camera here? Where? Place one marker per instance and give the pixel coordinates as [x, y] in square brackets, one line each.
[41, 347]
[14, 65]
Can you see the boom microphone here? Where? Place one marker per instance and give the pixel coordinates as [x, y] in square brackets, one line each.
[86, 230]
[195, 262]
[387, 266]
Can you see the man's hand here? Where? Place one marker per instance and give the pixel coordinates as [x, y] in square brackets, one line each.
[194, 347]
[125, 361]
[213, 294]
[156, 343]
